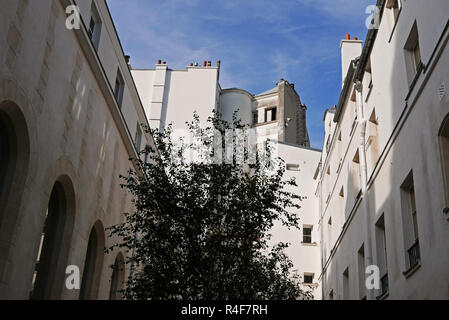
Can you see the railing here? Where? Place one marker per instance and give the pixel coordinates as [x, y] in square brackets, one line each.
[384, 284]
[414, 254]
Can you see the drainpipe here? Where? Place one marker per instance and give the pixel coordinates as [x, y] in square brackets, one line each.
[320, 222]
[363, 177]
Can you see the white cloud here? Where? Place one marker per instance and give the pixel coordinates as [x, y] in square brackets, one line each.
[340, 9]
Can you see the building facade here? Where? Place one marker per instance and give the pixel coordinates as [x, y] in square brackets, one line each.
[70, 119]
[375, 199]
[173, 96]
[383, 176]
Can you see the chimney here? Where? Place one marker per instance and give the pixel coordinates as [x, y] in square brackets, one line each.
[350, 49]
[127, 58]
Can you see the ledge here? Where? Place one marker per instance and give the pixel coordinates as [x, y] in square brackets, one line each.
[313, 244]
[383, 296]
[411, 270]
[264, 123]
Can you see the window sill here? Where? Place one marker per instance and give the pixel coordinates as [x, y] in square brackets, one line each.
[311, 285]
[313, 244]
[411, 270]
[383, 296]
[264, 123]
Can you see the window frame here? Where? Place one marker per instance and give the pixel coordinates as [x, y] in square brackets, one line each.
[95, 32]
[307, 238]
[119, 88]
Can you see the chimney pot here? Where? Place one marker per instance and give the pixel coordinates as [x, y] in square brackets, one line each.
[348, 36]
[191, 64]
[127, 59]
[164, 62]
[355, 38]
[205, 63]
[159, 62]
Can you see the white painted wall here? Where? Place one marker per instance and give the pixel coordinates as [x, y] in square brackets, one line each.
[172, 96]
[409, 120]
[305, 257]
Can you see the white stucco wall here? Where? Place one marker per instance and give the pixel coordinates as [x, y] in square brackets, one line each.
[305, 257]
[172, 96]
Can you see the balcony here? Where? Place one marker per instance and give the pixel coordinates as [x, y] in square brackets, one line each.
[384, 288]
[414, 255]
[414, 258]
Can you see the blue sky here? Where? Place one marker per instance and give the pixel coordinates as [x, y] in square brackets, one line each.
[258, 42]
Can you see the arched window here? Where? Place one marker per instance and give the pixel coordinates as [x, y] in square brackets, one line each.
[51, 261]
[4, 151]
[444, 143]
[14, 168]
[93, 263]
[118, 278]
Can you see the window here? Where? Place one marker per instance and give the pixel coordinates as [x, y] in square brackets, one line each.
[118, 89]
[308, 278]
[328, 143]
[138, 137]
[413, 54]
[91, 27]
[361, 271]
[368, 78]
[355, 175]
[329, 234]
[342, 206]
[373, 141]
[147, 154]
[47, 281]
[381, 253]
[307, 234]
[4, 153]
[270, 114]
[395, 9]
[94, 29]
[410, 222]
[444, 145]
[293, 167]
[346, 294]
[93, 263]
[117, 278]
[255, 117]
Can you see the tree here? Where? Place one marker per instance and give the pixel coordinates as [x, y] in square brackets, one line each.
[200, 229]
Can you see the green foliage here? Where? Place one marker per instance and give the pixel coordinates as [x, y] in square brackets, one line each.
[200, 230]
